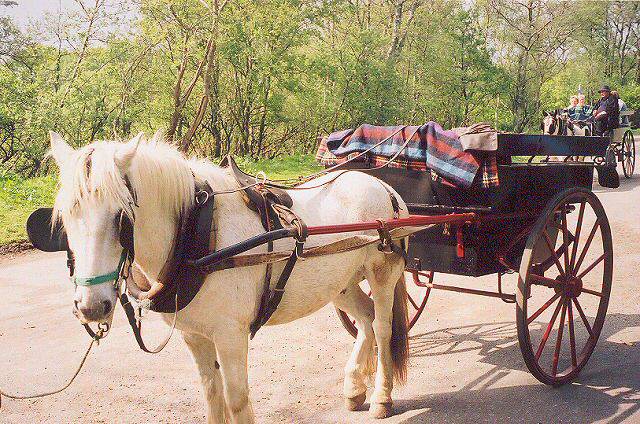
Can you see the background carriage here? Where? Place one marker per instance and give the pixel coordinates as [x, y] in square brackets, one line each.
[623, 145]
[543, 223]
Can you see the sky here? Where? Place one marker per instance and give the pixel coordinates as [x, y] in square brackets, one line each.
[28, 10]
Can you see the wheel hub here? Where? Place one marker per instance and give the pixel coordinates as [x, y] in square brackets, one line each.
[570, 285]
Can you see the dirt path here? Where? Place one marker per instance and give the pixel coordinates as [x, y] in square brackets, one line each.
[465, 366]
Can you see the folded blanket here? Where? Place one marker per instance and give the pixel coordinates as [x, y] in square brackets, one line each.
[425, 147]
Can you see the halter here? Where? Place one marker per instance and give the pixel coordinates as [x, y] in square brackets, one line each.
[104, 278]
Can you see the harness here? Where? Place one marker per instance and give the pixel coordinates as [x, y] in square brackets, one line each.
[193, 255]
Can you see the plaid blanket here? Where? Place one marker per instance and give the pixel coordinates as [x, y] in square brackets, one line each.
[427, 147]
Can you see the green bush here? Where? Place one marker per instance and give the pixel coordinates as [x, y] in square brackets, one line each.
[20, 196]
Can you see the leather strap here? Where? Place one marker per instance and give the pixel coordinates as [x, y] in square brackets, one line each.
[136, 325]
[253, 259]
[181, 278]
[275, 295]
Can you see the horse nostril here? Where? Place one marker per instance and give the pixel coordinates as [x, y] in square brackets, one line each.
[107, 306]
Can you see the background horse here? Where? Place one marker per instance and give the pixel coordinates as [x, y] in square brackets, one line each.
[554, 122]
[152, 183]
[557, 122]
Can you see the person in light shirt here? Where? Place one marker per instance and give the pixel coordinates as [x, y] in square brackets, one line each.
[582, 111]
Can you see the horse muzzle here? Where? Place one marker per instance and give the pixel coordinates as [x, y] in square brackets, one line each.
[87, 312]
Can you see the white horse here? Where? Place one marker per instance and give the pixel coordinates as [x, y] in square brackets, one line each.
[215, 325]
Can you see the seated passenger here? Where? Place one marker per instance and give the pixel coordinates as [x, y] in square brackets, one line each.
[582, 111]
[573, 100]
[622, 107]
[606, 113]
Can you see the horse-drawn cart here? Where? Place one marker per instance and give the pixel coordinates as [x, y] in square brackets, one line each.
[623, 146]
[542, 222]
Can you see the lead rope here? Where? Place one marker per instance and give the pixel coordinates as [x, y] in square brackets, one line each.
[100, 334]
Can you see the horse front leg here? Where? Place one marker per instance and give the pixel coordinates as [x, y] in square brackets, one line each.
[204, 354]
[232, 345]
[361, 362]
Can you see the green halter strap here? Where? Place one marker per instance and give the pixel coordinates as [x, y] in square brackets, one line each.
[99, 279]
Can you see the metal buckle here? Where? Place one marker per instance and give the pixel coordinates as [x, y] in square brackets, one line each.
[202, 197]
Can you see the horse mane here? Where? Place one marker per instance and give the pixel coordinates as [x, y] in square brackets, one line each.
[159, 175]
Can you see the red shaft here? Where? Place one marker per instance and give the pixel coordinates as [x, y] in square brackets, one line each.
[410, 221]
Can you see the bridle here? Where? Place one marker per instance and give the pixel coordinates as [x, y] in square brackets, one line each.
[124, 224]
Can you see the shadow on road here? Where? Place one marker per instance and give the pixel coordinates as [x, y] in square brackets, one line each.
[607, 389]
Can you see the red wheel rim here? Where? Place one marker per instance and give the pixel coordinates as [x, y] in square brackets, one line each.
[560, 315]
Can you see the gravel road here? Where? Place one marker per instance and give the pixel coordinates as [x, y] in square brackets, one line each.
[465, 365]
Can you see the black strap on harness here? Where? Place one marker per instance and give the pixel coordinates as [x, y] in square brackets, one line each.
[182, 277]
[274, 215]
[136, 326]
[271, 298]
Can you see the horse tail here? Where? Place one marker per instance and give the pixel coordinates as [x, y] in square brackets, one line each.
[400, 332]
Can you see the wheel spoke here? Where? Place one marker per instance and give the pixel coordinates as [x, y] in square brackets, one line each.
[553, 252]
[556, 354]
[593, 265]
[583, 316]
[543, 308]
[544, 281]
[548, 331]
[415, 306]
[574, 249]
[596, 225]
[565, 238]
[572, 336]
[595, 293]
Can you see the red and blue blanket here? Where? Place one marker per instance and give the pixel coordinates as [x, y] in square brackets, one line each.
[425, 147]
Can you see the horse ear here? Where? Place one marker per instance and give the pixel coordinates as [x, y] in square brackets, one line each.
[60, 150]
[127, 152]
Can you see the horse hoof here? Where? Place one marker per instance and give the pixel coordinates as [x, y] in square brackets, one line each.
[380, 410]
[354, 403]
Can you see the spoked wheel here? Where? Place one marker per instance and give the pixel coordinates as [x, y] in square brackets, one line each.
[628, 154]
[417, 296]
[560, 314]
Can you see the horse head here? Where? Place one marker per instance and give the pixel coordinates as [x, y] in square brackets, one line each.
[549, 123]
[110, 194]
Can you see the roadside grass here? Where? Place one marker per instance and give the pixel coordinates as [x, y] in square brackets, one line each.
[282, 168]
[19, 197]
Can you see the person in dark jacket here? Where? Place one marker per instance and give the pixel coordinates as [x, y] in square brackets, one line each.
[606, 113]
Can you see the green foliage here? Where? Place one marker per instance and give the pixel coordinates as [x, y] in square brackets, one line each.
[265, 79]
[18, 198]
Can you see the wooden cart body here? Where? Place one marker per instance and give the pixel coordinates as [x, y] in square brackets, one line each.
[515, 228]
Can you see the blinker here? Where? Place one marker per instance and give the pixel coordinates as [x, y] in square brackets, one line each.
[50, 238]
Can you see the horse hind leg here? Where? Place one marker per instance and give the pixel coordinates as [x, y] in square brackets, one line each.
[361, 362]
[390, 329]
